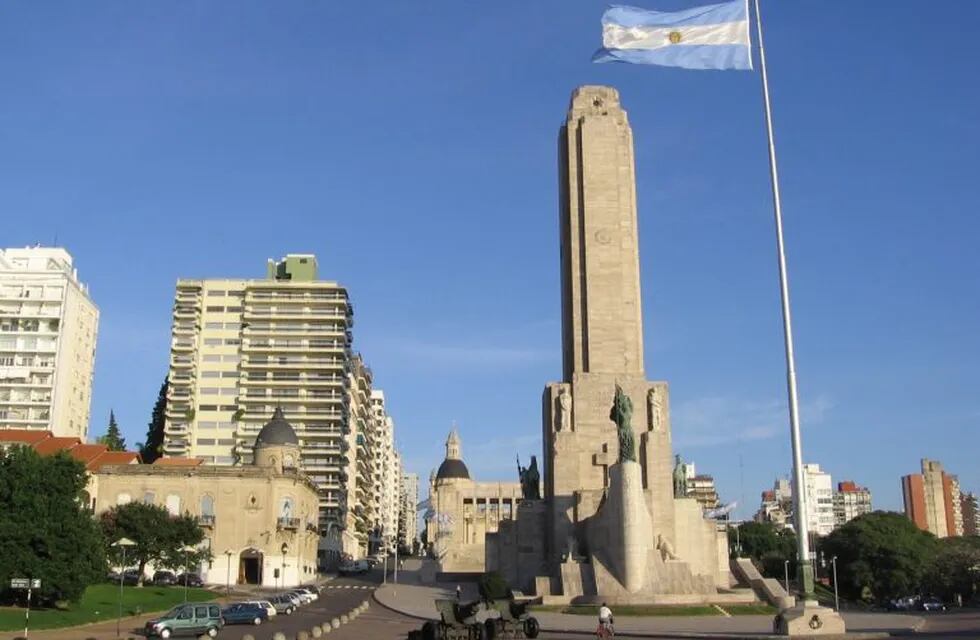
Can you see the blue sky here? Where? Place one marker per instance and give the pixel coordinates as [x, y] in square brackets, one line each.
[412, 147]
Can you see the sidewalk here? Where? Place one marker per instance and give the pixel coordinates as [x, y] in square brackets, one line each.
[418, 601]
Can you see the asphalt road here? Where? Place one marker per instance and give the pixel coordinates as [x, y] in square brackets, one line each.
[950, 624]
[338, 596]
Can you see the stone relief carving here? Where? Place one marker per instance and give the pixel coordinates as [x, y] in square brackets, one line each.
[666, 549]
[655, 409]
[563, 409]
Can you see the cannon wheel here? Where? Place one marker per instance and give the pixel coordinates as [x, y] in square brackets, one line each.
[532, 628]
[491, 631]
[429, 631]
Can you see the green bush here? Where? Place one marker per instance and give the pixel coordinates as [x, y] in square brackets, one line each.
[493, 586]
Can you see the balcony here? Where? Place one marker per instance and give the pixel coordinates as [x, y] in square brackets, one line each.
[175, 446]
[288, 524]
[206, 520]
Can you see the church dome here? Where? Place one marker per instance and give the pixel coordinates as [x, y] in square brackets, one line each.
[451, 468]
[277, 432]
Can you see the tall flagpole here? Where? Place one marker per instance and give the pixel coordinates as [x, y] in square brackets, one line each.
[804, 567]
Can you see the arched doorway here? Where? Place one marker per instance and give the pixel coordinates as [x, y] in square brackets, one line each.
[250, 567]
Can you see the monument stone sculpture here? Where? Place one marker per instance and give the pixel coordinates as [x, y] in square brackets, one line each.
[608, 489]
[680, 478]
[530, 479]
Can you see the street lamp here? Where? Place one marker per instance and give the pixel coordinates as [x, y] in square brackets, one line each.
[284, 549]
[833, 561]
[786, 573]
[187, 551]
[122, 543]
[228, 554]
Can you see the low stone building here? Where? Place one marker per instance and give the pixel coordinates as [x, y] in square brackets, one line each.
[260, 520]
[462, 511]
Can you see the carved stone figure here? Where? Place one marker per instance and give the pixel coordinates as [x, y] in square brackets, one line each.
[564, 417]
[680, 478]
[621, 414]
[655, 407]
[666, 549]
[530, 479]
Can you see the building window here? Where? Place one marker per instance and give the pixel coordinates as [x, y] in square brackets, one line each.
[123, 498]
[207, 505]
[148, 497]
[173, 504]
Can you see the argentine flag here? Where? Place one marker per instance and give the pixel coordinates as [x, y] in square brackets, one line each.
[715, 36]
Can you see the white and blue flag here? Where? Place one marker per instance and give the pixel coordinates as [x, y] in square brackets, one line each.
[715, 36]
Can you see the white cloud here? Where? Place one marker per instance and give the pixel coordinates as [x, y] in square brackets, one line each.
[717, 420]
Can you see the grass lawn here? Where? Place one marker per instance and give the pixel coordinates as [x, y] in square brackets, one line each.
[100, 602]
[749, 609]
[635, 610]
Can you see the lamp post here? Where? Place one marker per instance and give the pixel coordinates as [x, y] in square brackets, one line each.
[187, 551]
[284, 549]
[833, 561]
[122, 543]
[228, 554]
[786, 574]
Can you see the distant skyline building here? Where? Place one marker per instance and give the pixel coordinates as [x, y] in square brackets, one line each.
[970, 510]
[408, 525]
[850, 501]
[932, 500]
[777, 504]
[48, 329]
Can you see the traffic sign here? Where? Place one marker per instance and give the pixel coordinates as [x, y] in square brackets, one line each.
[20, 583]
[36, 583]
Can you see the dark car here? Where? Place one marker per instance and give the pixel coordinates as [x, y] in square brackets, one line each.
[164, 578]
[190, 580]
[244, 613]
[131, 577]
[932, 604]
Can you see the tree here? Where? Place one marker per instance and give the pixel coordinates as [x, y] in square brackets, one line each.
[46, 531]
[768, 547]
[159, 536]
[955, 570]
[153, 447]
[112, 438]
[880, 554]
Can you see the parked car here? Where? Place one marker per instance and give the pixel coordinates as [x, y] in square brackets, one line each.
[295, 599]
[932, 604]
[304, 597]
[131, 577]
[191, 580]
[270, 608]
[187, 619]
[313, 591]
[353, 568]
[283, 604]
[244, 613]
[164, 578]
[112, 576]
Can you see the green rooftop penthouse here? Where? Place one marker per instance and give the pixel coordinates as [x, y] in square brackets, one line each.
[298, 267]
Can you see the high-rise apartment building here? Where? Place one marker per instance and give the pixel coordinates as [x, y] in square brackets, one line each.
[850, 501]
[819, 499]
[970, 510]
[360, 515]
[777, 504]
[932, 500]
[241, 349]
[408, 525]
[48, 327]
[701, 487]
[386, 474]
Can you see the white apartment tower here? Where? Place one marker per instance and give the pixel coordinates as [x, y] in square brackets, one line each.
[48, 327]
[386, 471]
[819, 499]
[242, 348]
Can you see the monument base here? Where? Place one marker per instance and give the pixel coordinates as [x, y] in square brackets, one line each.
[808, 619]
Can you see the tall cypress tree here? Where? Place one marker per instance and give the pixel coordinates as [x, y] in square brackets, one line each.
[112, 438]
[153, 448]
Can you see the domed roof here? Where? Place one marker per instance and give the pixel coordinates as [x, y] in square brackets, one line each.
[452, 468]
[277, 431]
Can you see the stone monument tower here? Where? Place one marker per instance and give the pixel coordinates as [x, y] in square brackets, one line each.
[614, 528]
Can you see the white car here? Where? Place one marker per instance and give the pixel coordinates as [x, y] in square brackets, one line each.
[314, 594]
[265, 604]
[304, 597]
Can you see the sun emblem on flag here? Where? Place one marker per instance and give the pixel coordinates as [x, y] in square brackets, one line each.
[674, 37]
